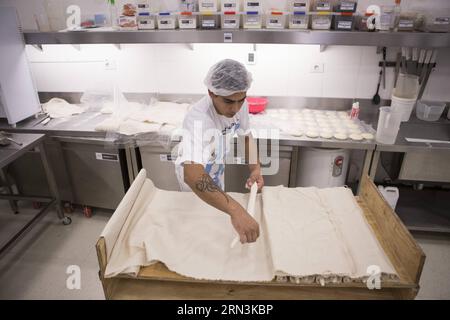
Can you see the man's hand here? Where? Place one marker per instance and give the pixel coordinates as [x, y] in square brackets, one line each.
[245, 225]
[255, 176]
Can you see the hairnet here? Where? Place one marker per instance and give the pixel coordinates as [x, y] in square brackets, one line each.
[228, 77]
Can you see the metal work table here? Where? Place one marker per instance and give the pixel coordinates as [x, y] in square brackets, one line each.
[415, 128]
[12, 152]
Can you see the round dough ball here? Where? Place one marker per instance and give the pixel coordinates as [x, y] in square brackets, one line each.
[341, 130]
[312, 134]
[368, 136]
[356, 137]
[352, 125]
[326, 134]
[355, 131]
[340, 136]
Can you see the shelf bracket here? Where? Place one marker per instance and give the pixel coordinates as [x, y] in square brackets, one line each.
[76, 47]
[38, 47]
[323, 47]
[190, 46]
[118, 46]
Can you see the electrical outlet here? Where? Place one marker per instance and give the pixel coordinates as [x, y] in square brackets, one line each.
[110, 64]
[317, 68]
[251, 57]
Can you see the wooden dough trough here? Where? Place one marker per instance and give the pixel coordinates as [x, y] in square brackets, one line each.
[157, 282]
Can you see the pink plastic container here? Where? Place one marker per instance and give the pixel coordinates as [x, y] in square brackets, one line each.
[256, 105]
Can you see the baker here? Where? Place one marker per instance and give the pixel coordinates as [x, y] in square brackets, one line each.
[208, 129]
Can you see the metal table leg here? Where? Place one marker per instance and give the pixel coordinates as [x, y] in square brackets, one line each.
[52, 185]
[12, 203]
[366, 167]
[293, 169]
[374, 165]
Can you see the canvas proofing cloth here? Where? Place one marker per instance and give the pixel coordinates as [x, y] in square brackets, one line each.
[308, 234]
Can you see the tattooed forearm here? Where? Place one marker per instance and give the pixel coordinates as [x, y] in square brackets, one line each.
[206, 183]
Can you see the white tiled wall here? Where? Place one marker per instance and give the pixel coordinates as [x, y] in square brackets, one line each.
[280, 70]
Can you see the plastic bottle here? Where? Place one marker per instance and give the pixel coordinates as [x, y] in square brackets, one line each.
[354, 114]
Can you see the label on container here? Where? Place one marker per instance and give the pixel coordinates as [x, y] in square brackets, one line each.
[299, 5]
[252, 20]
[406, 24]
[323, 6]
[347, 6]
[209, 23]
[253, 4]
[187, 22]
[321, 21]
[229, 5]
[107, 156]
[347, 25]
[227, 37]
[229, 23]
[297, 21]
[442, 21]
[386, 19]
[146, 23]
[275, 22]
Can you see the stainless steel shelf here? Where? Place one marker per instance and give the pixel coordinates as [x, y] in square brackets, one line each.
[407, 39]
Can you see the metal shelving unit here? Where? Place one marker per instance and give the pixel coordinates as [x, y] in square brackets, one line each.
[286, 36]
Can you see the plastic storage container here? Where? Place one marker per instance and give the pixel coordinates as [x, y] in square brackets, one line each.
[321, 21]
[186, 20]
[322, 15]
[207, 6]
[256, 105]
[253, 5]
[298, 20]
[230, 21]
[344, 22]
[209, 21]
[146, 22]
[429, 110]
[346, 6]
[230, 6]
[436, 22]
[389, 122]
[166, 21]
[387, 18]
[275, 20]
[252, 20]
[299, 5]
[406, 22]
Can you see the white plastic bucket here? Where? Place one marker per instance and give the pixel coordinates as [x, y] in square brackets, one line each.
[404, 95]
[404, 106]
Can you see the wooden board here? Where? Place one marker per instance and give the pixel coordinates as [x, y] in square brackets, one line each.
[158, 282]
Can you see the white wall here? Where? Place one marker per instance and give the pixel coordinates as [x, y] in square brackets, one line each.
[280, 70]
